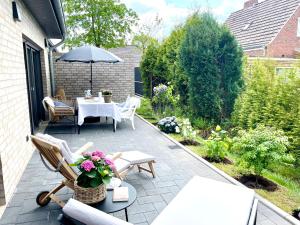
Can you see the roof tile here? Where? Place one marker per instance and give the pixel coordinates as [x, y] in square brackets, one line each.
[266, 18]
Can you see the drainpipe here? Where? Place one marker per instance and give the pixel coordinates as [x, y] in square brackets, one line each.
[51, 65]
[58, 10]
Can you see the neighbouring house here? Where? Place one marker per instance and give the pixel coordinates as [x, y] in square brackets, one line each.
[269, 28]
[120, 77]
[25, 29]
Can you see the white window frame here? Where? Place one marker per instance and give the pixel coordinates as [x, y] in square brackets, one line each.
[298, 27]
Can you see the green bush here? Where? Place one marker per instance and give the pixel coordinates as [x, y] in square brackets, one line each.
[259, 148]
[212, 61]
[272, 100]
[202, 124]
[218, 145]
[146, 109]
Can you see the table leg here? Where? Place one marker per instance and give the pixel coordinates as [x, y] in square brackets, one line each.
[78, 129]
[114, 125]
[126, 214]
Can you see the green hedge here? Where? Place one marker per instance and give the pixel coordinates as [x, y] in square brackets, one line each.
[270, 99]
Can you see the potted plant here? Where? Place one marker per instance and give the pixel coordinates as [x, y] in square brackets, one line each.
[96, 172]
[107, 95]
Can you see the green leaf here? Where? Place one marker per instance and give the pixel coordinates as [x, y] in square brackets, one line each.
[91, 174]
[95, 182]
[106, 180]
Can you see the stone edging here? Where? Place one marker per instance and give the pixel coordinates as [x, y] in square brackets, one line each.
[267, 203]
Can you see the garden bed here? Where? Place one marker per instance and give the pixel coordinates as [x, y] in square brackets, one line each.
[257, 182]
[286, 194]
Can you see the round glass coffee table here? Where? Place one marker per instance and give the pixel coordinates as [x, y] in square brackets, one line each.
[108, 206]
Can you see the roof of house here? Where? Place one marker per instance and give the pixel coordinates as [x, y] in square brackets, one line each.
[255, 27]
[49, 14]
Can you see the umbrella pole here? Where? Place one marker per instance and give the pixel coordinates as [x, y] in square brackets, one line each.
[91, 81]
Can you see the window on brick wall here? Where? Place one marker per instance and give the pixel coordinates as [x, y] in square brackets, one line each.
[298, 28]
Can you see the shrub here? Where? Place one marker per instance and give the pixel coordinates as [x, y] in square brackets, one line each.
[218, 145]
[201, 124]
[146, 109]
[169, 125]
[272, 100]
[186, 129]
[261, 147]
[211, 58]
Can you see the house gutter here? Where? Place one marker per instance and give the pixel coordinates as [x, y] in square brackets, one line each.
[58, 10]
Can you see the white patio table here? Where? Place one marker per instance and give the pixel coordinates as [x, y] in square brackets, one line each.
[96, 107]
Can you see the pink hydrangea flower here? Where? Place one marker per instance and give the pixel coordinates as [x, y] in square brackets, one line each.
[99, 154]
[109, 162]
[87, 154]
[87, 165]
[95, 158]
[112, 166]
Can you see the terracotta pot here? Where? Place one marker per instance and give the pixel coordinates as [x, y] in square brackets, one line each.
[107, 98]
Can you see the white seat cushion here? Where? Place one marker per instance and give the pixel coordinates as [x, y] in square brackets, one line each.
[49, 101]
[121, 165]
[208, 202]
[63, 146]
[89, 215]
[136, 157]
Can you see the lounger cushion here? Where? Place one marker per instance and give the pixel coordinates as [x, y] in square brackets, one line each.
[63, 146]
[60, 104]
[121, 165]
[49, 101]
[136, 157]
[89, 215]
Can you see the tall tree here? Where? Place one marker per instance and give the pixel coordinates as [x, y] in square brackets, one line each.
[212, 60]
[103, 23]
[198, 56]
[146, 34]
[230, 64]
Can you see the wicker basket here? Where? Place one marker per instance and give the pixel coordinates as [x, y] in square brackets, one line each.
[89, 195]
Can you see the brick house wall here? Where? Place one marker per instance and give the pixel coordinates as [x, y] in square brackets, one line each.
[255, 53]
[118, 77]
[286, 41]
[16, 150]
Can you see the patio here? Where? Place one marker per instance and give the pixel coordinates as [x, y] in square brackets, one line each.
[174, 168]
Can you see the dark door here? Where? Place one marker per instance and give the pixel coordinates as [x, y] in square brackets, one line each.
[34, 84]
[138, 83]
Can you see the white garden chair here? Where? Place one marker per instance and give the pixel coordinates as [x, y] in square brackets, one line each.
[128, 110]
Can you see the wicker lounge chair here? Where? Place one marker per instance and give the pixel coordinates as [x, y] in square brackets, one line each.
[53, 154]
[66, 109]
[59, 156]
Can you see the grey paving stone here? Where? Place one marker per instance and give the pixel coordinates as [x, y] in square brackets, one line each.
[174, 168]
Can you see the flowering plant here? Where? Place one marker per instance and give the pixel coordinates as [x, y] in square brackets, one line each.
[169, 125]
[187, 130]
[95, 168]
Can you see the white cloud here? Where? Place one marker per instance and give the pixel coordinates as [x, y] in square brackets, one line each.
[170, 14]
[173, 14]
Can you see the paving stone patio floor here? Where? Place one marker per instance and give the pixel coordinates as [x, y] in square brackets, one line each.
[174, 168]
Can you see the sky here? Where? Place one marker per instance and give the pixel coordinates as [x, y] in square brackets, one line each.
[173, 12]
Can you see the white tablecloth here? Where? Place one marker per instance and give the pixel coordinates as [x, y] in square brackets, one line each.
[97, 107]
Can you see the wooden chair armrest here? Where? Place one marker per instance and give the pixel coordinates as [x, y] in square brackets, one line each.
[116, 155]
[84, 148]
